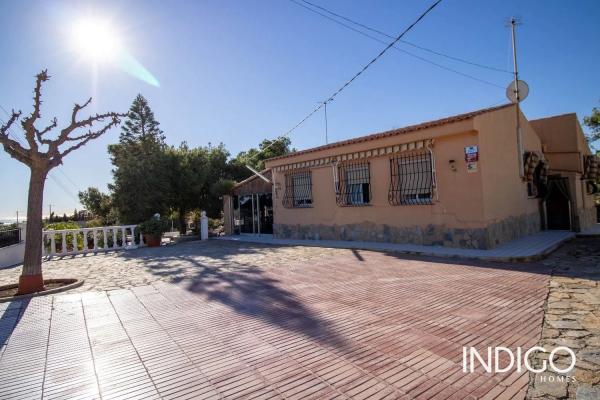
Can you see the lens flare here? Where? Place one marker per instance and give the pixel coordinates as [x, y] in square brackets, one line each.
[97, 41]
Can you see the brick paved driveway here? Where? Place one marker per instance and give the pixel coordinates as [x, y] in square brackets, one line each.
[229, 320]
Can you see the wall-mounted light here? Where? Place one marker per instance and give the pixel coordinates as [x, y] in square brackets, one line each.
[452, 165]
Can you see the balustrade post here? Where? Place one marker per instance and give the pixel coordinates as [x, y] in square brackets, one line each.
[95, 233]
[123, 236]
[64, 243]
[52, 244]
[75, 247]
[105, 238]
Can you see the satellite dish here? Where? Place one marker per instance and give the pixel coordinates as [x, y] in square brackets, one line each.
[523, 89]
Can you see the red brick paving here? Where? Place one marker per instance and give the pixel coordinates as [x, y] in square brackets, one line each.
[342, 327]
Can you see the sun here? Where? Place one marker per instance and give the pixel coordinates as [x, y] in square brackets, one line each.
[95, 40]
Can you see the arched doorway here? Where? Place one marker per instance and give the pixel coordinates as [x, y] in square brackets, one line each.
[558, 204]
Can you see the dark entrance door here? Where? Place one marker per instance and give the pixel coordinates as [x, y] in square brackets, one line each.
[246, 212]
[265, 206]
[558, 204]
[254, 213]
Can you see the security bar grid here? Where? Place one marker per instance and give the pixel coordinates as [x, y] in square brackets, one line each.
[412, 180]
[354, 184]
[298, 190]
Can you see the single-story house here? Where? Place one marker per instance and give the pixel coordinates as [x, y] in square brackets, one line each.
[460, 181]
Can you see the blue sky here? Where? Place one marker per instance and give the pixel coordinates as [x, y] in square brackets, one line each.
[240, 71]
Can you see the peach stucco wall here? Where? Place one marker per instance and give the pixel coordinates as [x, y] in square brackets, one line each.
[504, 192]
[464, 200]
[459, 193]
[564, 142]
[456, 207]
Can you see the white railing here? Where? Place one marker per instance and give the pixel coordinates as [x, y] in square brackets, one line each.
[89, 240]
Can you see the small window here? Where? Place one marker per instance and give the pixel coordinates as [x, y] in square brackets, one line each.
[298, 190]
[354, 184]
[412, 179]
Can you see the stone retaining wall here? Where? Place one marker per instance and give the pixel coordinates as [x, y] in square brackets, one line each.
[479, 238]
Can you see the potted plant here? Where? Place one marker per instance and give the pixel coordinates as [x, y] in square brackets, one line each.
[153, 230]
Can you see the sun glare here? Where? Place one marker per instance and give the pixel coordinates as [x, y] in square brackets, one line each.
[95, 40]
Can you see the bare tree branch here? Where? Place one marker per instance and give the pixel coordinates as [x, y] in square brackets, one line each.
[28, 123]
[11, 146]
[78, 108]
[46, 130]
[58, 156]
[53, 156]
[15, 115]
[64, 134]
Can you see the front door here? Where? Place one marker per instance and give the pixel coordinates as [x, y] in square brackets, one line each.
[265, 206]
[254, 213]
[558, 204]
[246, 214]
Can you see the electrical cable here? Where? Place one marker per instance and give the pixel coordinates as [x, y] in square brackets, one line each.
[438, 53]
[349, 82]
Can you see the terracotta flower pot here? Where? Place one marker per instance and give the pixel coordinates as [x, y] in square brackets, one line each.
[152, 240]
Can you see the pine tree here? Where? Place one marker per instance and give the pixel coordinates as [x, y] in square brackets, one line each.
[141, 124]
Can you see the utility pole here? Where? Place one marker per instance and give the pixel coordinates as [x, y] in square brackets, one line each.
[17, 217]
[513, 24]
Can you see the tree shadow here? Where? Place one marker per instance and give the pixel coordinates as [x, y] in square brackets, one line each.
[11, 313]
[213, 270]
[244, 288]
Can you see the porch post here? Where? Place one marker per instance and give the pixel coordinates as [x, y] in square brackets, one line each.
[258, 213]
[253, 217]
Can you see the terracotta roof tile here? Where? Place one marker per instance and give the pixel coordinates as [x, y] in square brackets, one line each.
[394, 132]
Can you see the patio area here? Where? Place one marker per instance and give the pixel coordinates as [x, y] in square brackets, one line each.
[240, 320]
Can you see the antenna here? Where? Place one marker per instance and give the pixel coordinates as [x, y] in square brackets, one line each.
[516, 94]
[326, 133]
[326, 127]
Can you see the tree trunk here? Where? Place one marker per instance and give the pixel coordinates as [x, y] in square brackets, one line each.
[31, 279]
[182, 222]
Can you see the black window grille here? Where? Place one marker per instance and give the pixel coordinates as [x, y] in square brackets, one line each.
[354, 184]
[298, 190]
[412, 180]
[8, 237]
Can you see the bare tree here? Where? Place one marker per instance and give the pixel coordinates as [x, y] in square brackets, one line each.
[42, 155]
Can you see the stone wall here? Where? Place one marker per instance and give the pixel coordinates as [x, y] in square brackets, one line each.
[479, 238]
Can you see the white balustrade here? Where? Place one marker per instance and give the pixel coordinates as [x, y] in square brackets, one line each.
[127, 239]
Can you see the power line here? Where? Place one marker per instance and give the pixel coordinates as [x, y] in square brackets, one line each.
[438, 53]
[359, 73]
[400, 49]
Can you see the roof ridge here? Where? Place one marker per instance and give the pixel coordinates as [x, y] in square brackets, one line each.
[397, 131]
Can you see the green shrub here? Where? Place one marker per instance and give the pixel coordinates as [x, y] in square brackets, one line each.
[154, 226]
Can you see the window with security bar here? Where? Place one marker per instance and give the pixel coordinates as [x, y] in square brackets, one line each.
[412, 179]
[354, 184]
[298, 190]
